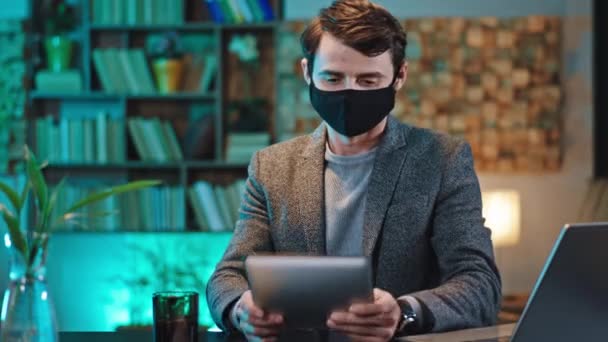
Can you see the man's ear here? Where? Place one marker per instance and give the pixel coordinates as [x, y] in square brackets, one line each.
[304, 65]
[401, 76]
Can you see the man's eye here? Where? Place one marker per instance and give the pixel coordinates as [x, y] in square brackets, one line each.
[368, 82]
[332, 80]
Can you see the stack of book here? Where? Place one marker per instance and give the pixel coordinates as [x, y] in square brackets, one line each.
[242, 146]
[137, 12]
[155, 140]
[216, 207]
[80, 140]
[240, 11]
[126, 71]
[152, 209]
[123, 71]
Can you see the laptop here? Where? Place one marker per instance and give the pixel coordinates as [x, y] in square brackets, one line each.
[306, 289]
[570, 299]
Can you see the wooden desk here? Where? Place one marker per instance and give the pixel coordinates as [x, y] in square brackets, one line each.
[137, 336]
[464, 335]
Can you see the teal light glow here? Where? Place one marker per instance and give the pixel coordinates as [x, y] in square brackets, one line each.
[100, 282]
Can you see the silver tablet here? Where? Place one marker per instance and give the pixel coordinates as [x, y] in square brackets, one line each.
[306, 289]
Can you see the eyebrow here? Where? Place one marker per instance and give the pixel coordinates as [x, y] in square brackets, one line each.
[361, 75]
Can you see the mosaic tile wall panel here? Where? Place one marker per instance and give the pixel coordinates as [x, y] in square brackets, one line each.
[495, 82]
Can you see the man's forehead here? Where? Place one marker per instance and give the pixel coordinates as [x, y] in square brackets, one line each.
[334, 55]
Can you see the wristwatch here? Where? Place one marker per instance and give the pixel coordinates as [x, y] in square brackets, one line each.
[408, 323]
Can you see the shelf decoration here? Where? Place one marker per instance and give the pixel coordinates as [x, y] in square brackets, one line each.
[167, 62]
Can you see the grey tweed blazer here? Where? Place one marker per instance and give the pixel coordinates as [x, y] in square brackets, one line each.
[423, 224]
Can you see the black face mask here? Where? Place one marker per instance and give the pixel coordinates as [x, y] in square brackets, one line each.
[352, 112]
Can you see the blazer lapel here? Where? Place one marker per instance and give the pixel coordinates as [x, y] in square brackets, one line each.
[389, 161]
[310, 194]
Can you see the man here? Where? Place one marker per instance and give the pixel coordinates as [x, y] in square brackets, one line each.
[365, 184]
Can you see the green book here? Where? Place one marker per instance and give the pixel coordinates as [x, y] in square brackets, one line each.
[118, 148]
[135, 133]
[117, 73]
[197, 208]
[175, 152]
[131, 14]
[54, 140]
[227, 12]
[89, 141]
[156, 139]
[236, 11]
[256, 10]
[40, 139]
[101, 137]
[128, 71]
[142, 71]
[224, 207]
[102, 70]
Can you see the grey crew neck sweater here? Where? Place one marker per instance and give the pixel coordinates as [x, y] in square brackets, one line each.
[346, 181]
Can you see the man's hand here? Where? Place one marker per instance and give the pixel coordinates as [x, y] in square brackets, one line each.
[253, 322]
[371, 322]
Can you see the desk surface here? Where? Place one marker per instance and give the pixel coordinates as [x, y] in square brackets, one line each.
[465, 335]
[143, 336]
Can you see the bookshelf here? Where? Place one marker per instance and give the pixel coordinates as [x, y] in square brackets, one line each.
[203, 121]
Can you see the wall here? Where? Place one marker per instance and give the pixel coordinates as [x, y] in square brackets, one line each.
[548, 200]
[13, 9]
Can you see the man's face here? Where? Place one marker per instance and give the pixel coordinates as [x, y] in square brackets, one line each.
[338, 67]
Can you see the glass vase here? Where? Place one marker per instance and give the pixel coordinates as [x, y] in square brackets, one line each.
[28, 314]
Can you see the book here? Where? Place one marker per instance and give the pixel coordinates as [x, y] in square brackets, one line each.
[158, 141]
[102, 70]
[101, 135]
[209, 73]
[197, 208]
[128, 71]
[215, 10]
[245, 10]
[224, 206]
[68, 81]
[267, 10]
[210, 207]
[236, 11]
[193, 72]
[171, 139]
[256, 10]
[137, 139]
[227, 12]
[88, 126]
[142, 70]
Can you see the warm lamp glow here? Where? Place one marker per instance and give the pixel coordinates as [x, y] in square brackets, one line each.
[501, 209]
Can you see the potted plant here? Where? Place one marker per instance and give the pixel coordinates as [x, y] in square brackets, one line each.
[167, 63]
[59, 21]
[27, 312]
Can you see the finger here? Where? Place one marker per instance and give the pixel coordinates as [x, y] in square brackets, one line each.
[249, 329]
[369, 309]
[383, 320]
[253, 338]
[266, 321]
[363, 331]
[358, 338]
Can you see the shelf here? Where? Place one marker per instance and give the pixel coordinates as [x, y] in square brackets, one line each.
[105, 96]
[201, 26]
[121, 232]
[148, 165]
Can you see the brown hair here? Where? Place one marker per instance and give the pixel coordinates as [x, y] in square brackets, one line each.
[361, 25]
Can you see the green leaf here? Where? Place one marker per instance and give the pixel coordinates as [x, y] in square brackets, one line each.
[37, 180]
[98, 196]
[17, 238]
[73, 217]
[24, 193]
[11, 194]
[49, 209]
